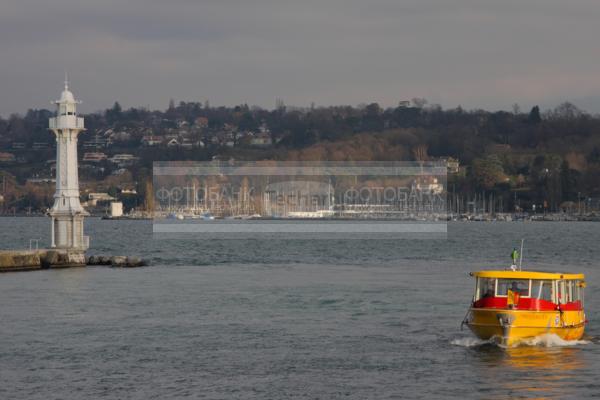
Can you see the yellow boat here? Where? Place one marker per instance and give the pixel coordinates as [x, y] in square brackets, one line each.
[513, 306]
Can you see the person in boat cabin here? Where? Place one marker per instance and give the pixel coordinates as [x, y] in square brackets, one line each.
[512, 295]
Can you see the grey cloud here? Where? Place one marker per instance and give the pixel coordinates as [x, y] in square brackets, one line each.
[477, 53]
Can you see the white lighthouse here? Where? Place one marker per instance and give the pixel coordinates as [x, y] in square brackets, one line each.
[67, 213]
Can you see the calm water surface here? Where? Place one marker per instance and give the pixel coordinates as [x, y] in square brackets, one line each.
[284, 319]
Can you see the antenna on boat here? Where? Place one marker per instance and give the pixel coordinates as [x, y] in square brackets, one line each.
[521, 256]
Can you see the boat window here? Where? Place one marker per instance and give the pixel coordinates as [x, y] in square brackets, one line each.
[520, 286]
[564, 295]
[486, 288]
[577, 291]
[569, 291]
[580, 285]
[542, 290]
[559, 291]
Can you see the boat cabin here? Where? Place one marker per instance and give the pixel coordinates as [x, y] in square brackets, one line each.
[528, 290]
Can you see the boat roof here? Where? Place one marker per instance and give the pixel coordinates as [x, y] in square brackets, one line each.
[508, 274]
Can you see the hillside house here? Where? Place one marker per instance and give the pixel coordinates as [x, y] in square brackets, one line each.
[7, 158]
[150, 140]
[94, 157]
[123, 160]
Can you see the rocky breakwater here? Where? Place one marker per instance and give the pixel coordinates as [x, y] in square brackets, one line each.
[117, 261]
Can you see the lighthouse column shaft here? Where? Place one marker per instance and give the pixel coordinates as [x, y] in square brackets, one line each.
[66, 196]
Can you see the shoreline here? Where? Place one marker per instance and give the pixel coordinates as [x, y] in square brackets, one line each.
[470, 218]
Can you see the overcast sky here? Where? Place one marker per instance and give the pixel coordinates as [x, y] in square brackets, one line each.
[475, 53]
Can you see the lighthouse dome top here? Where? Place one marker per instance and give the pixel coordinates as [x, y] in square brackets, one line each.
[67, 96]
[66, 113]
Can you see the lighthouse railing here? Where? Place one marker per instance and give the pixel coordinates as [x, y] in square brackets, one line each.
[66, 122]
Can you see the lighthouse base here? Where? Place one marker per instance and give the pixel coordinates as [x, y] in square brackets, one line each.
[67, 231]
[60, 258]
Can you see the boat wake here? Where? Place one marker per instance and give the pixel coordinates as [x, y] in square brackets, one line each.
[547, 340]
[550, 340]
[471, 342]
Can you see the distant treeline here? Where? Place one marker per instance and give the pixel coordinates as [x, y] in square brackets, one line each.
[549, 158]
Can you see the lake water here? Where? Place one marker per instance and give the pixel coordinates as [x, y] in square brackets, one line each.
[276, 319]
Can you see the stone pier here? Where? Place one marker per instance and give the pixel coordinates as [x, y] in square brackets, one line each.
[24, 260]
